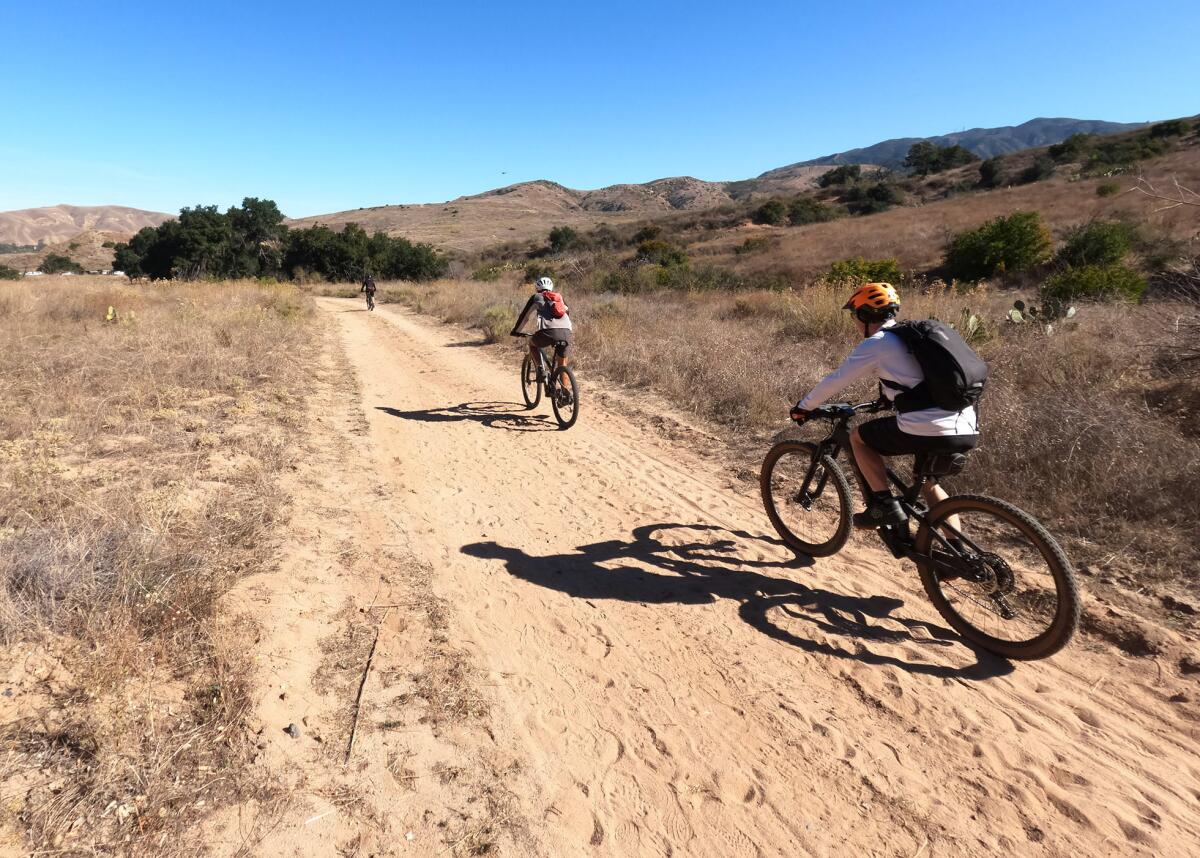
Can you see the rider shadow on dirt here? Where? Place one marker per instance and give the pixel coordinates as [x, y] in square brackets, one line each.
[706, 568]
[494, 415]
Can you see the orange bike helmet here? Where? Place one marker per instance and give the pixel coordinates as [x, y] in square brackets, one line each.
[873, 302]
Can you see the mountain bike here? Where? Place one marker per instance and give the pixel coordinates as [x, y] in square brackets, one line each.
[558, 384]
[991, 570]
[370, 300]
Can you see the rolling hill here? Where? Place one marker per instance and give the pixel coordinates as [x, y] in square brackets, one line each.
[984, 142]
[55, 224]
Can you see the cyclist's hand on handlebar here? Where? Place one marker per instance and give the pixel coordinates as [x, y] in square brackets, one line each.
[799, 414]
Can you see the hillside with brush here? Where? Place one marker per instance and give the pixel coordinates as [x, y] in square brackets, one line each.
[56, 224]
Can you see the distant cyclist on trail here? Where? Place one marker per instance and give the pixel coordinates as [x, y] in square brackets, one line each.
[888, 352]
[546, 320]
[368, 286]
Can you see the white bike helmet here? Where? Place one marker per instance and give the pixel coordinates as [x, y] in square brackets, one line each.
[543, 284]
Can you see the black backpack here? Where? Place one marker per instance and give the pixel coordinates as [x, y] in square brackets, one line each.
[954, 374]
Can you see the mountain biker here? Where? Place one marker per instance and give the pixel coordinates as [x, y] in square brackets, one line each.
[550, 330]
[925, 430]
[368, 286]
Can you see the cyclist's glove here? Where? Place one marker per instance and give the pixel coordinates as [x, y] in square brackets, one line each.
[799, 414]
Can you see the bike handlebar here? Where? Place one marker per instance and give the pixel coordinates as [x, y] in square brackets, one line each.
[845, 410]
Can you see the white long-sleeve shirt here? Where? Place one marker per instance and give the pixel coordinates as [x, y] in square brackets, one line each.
[888, 359]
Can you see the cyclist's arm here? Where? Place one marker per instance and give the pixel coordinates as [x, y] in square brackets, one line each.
[516, 331]
[861, 363]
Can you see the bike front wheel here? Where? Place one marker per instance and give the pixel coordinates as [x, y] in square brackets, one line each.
[1011, 590]
[807, 498]
[564, 397]
[531, 387]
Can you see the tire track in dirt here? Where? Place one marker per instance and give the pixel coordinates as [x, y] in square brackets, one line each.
[679, 684]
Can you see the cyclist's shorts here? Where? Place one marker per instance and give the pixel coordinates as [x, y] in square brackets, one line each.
[888, 439]
[560, 338]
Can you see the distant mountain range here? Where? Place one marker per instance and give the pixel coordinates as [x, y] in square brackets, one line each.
[527, 209]
[984, 142]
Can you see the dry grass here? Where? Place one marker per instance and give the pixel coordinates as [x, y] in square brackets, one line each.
[1085, 427]
[138, 464]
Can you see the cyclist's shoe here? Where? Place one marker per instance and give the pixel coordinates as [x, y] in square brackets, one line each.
[881, 511]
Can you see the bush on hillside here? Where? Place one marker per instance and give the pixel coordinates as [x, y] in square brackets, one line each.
[1074, 148]
[871, 198]
[860, 270]
[56, 263]
[646, 233]
[771, 213]
[1004, 244]
[844, 175]
[1093, 283]
[752, 245]
[805, 210]
[1108, 189]
[925, 157]
[1101, 242]
[1041, 168]
[7, 273]
[990, 173]
[1120, 153]
[563, 238]
[1170, 128]
[658, 252]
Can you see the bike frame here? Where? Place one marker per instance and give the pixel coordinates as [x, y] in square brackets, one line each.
[898, 538]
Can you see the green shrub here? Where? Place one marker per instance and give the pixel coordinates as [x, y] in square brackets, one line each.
[1108, 189]
[646, 233]
[7, 273]
[536, 270]
[990, 173]
[1074, 148]
[860, 270]
[752, 245]
[844, 175]
[497, 322]
[563, 238]
[804, 210]
[1004, 244]
[771, 213]
[1093, 283]
[1170, 128]
[1041, 168]
[1121, 153]
[659, 252]
[56, 263]
[872, 198]
[486, 273]
[1101, 242]
[925, 157]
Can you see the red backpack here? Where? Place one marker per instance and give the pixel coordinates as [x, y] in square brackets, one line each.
[555, 307]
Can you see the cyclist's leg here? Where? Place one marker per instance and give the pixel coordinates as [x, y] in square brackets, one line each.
[560, 353]
[870, 462]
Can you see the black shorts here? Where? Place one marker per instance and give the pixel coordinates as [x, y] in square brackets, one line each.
[885, 437]
[560, 338]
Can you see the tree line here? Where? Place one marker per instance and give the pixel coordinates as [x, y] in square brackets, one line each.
[251, 240]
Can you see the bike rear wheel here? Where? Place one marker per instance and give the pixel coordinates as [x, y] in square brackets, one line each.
[564, 397]
[812, 519]
[1013, 592]
[531, 387]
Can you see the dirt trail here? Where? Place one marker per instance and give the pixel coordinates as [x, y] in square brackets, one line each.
[668, 680]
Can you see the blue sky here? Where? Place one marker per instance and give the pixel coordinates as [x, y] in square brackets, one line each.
[329, 106]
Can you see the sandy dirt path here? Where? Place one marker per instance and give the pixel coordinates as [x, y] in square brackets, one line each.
[675, 683]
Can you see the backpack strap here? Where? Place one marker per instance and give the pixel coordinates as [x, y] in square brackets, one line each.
[917, 397]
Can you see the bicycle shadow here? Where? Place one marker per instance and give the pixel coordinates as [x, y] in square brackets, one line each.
[494, 415]
[703, 571]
